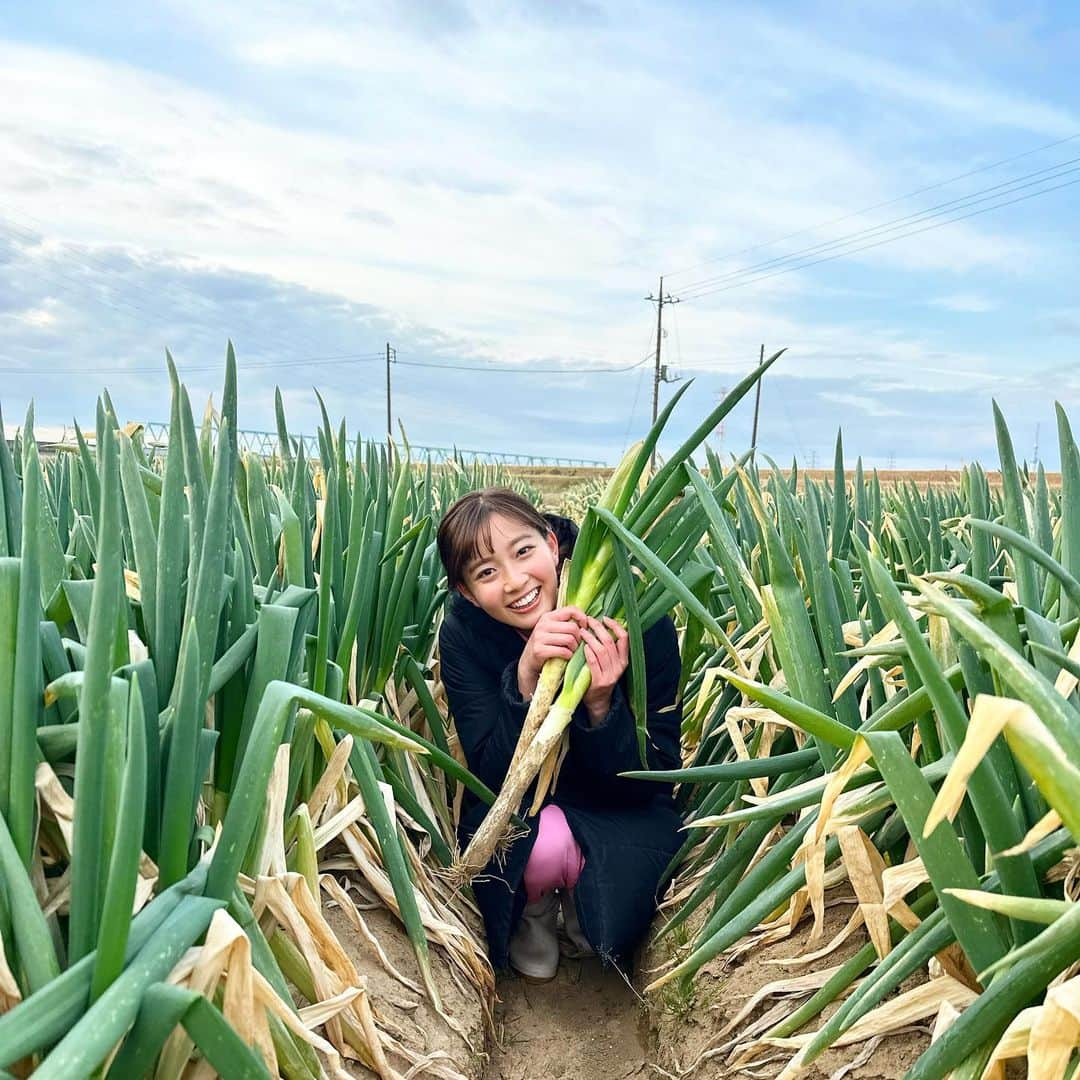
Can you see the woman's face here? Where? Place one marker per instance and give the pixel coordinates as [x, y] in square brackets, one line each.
[517, 580]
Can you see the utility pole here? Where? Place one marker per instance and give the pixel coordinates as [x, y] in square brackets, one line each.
[1035, 455]
[659, 371]
[757, 401]
[389, 421]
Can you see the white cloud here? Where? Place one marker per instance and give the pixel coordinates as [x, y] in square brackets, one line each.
[38, 318]
[517, 198]
[504, 183]
[869, 405]
[965, 303]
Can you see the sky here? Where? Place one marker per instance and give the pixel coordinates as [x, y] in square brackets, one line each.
[495, 189]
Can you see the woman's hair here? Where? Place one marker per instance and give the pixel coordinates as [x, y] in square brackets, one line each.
[465, 530]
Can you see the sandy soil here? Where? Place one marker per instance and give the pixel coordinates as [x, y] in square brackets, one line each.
[586, 1024]
[590, 1024]
[408, 1015]
[681, 1031]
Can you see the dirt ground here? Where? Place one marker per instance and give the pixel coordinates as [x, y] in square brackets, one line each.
[683, 1031]
[408, 1015]
[590, 1024]
[587, 1024]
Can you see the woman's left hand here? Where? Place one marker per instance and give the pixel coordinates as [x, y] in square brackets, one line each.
[607, 652]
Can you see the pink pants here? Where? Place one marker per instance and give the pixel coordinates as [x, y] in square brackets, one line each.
[555, 861]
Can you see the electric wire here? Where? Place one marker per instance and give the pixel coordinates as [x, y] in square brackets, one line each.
[678, 339]
[633, 408]
[754, 279]
[941, 209]
[519, 369]
[876, 206]
[522, 369]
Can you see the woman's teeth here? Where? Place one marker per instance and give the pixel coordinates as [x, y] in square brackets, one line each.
[526, 600]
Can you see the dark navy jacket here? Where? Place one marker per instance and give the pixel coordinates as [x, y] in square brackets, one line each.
[627, 829]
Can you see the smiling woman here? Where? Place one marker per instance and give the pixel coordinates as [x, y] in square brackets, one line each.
[498, 550]
[515, 581]
[599, 844]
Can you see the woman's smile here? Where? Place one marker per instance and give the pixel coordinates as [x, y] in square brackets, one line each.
[516, 580]
[526, 602]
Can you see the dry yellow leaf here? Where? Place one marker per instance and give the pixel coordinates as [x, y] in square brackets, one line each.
[858, 755]
[865, 867]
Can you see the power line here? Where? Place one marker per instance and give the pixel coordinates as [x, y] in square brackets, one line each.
[637, 394]
[929, 212]
[325, 361]
[521, 369]
[1011, 186]
[751, 280]
[631, 416]
[678, 338]
[878, 206]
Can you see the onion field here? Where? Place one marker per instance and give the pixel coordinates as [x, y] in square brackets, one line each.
[222, 729]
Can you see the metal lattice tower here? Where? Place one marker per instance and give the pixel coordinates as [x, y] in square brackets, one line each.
[265, 444]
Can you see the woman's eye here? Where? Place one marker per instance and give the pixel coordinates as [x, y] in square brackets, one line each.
[525, 550]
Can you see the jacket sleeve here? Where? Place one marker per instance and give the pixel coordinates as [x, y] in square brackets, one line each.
[488, 710]
[603, 751]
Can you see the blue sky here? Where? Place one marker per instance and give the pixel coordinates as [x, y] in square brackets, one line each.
[502, 183]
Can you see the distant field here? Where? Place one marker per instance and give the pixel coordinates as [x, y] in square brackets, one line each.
[922, 477]
[553, 481]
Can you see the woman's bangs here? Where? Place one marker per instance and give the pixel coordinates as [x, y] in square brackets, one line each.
[480, 545]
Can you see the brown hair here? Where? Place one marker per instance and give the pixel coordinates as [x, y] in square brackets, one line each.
[465, 530]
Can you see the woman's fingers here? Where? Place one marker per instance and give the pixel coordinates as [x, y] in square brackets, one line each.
[596, 666]
[607, 650]
[547, 649]
[593, 639]
[617, 641]
[605, 641]
[554, 638]
[622, 641]
[602, 663]
[570, 613]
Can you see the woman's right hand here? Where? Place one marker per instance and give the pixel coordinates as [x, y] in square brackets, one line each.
[554, 637]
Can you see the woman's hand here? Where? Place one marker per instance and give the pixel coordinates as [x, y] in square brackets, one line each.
[607, 652]
[555, 636]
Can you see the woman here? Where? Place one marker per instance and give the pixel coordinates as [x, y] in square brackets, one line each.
[601, 842]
